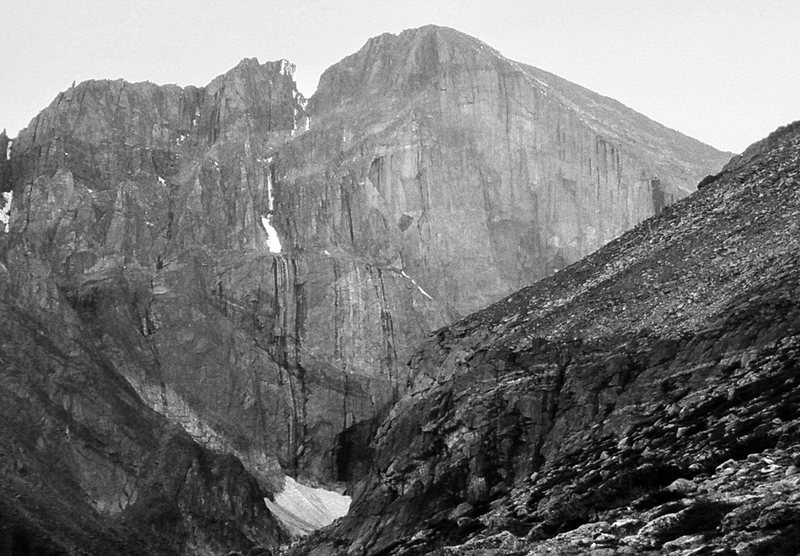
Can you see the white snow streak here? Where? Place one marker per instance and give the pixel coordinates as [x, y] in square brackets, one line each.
[407, 277]
[8, 150]
[273, 242]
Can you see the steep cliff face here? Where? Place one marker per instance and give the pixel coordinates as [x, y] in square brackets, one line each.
[150, 210]
[432, 153]
[259, 270]
[134, 203]
[643, 401]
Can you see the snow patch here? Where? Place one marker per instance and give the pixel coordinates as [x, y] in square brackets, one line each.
[303, 509]
[306, 122]
[5, 211]
[8, 150]
[161, 180]
[273, 242]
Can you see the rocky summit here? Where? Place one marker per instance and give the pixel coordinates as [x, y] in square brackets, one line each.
[205, 289]
[643, 401]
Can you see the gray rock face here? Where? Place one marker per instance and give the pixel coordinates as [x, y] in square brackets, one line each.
[427, 177]
[135, 204]
[433, 153]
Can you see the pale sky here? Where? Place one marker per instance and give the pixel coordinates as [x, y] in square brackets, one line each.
[726, 72]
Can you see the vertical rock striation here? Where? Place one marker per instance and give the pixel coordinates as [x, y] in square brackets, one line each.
[142, 209]
[475, 175]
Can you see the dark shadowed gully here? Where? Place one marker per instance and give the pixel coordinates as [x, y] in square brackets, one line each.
[205, 289]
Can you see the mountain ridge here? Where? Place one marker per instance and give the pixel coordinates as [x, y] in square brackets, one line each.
[454, 39]
[142, 217]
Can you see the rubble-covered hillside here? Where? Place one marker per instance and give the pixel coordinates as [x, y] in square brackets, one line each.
[645, 400]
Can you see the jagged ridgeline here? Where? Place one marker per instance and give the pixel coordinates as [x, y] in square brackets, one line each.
[257, 269]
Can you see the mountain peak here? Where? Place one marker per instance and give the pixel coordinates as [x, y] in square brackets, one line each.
[437, 177]
[444, 35]
[281, 66]
[405, 63]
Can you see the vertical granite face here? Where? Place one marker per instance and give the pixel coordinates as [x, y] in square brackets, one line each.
[135, 203]
[144, 210]
[475, 175]
[427, 177]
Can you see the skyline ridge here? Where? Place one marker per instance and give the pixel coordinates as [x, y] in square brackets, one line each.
[701, 69]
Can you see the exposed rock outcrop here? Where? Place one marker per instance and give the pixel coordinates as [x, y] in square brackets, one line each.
[148, 209]
[643, 401]
[258, 269]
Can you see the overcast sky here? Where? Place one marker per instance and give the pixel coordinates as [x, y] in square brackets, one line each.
[726, 72]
